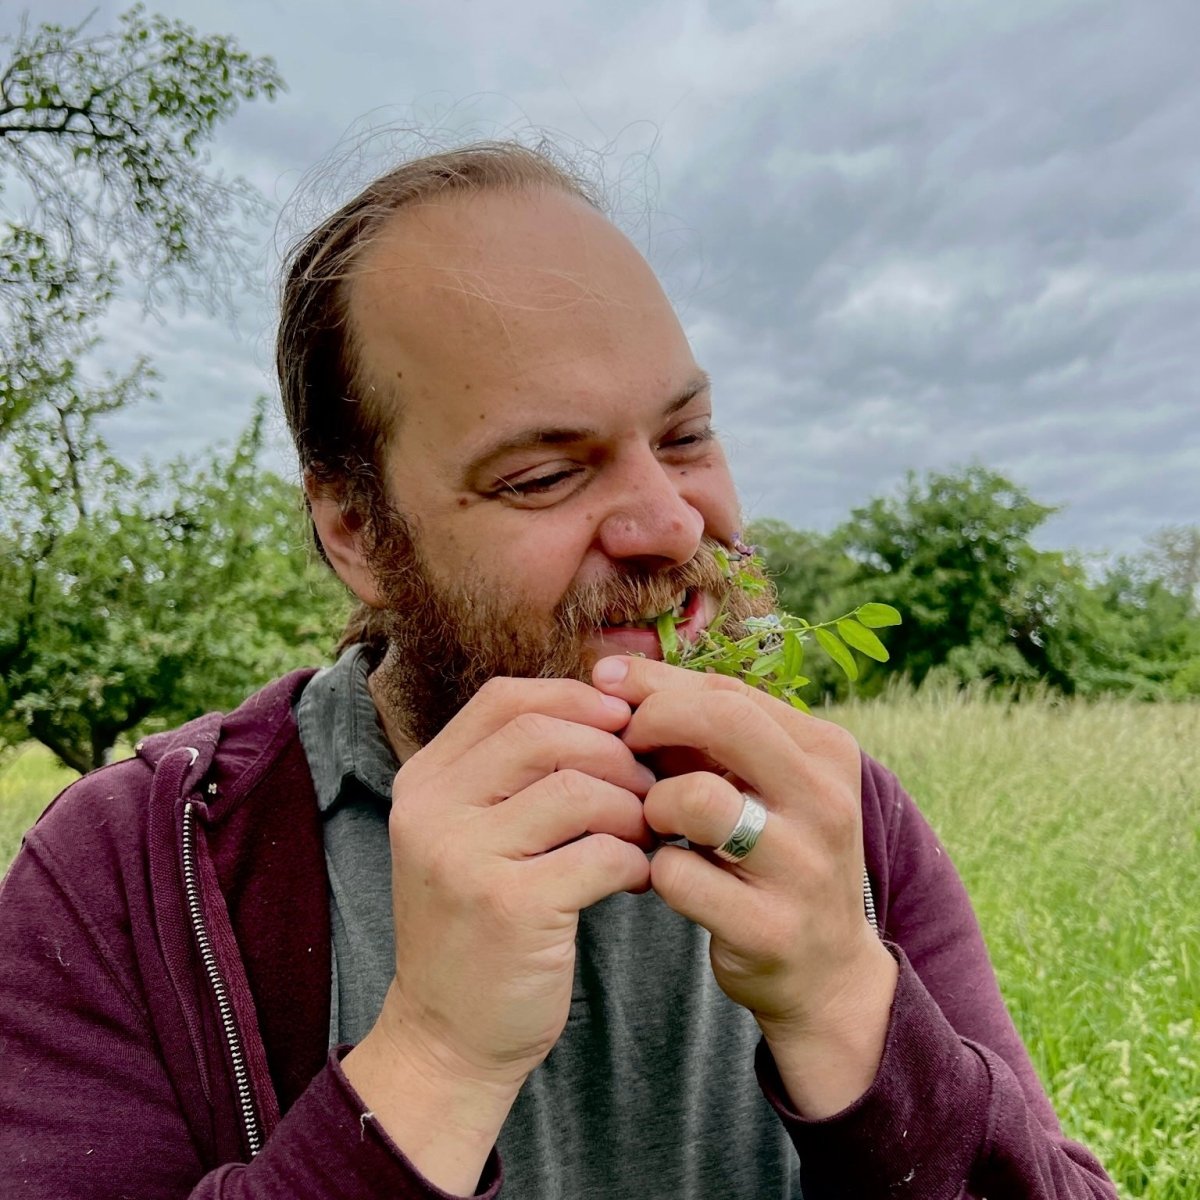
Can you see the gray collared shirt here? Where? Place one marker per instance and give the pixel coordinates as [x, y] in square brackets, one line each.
[352, 767]
[650, 1093]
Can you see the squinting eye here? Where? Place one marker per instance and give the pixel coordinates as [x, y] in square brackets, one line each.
[531, 487]
[692, 439]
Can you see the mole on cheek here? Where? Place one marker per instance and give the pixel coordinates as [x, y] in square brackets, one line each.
[463, 501]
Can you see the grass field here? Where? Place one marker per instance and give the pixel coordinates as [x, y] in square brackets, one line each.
[1077, 830]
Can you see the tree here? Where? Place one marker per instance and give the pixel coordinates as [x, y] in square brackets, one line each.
[126, 595]
[953, 553]
[159, 598]
[101, 161]
[1173, 556]
[1154, 603]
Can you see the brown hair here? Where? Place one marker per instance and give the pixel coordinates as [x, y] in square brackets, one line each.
[338, 431]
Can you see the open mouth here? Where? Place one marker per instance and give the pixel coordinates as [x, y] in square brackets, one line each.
[650, 620]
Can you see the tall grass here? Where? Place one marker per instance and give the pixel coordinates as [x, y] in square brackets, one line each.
[1077, 830]
[30, 777]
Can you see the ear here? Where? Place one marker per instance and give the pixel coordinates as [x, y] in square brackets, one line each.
[340, 535]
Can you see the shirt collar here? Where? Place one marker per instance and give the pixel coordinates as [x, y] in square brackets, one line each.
[342, 736]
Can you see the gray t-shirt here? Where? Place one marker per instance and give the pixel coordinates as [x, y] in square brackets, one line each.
[650, 1092]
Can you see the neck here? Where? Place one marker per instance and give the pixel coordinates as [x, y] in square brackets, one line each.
[403, 744]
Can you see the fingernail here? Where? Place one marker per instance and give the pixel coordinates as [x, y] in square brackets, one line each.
[611, 670]
[616, 704]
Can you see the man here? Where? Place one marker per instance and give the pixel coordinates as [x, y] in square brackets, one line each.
[394, 930]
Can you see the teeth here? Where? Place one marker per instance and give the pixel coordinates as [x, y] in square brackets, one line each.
[645, 622]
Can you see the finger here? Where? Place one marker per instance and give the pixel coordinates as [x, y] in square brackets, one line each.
[729, 729]
[585, 872]
[635, 679]
[562, 807]
[702, 891]
[502, 699]
[705, 809]
[532, 746]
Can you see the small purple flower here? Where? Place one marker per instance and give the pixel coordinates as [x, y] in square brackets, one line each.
[740, 548]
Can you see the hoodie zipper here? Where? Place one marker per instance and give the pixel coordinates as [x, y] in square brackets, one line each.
[233, 1039]
[869, 902]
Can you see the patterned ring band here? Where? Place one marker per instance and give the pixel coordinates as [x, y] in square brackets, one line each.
[745, 833]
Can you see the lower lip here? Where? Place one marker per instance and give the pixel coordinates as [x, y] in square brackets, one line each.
[645, 641]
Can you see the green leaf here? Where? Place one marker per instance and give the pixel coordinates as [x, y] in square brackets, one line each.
[876, 616]
[793, 655]
[840, 655]
[766, 663]
[668, 638]
[861, 638]
[796, 702]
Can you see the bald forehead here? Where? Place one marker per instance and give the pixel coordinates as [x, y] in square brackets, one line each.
[505, 293]
[536, 247]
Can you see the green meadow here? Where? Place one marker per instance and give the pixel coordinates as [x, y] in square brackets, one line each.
[1077, 829]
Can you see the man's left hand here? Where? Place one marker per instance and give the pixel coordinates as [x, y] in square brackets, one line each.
[790, 941]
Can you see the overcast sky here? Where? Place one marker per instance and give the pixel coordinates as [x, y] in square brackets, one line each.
[900, 235]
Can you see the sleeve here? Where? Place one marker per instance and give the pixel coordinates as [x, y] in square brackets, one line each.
[956, 1109]
[88, 1107]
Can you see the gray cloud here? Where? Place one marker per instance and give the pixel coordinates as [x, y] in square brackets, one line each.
[905, 235]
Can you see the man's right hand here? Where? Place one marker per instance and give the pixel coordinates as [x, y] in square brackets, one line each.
[525, 809]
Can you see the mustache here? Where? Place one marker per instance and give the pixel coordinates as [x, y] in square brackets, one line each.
[629, 596]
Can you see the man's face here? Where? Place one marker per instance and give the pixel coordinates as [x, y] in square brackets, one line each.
[551, 463]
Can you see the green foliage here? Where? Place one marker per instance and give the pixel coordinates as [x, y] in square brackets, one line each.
[1159, 626]
[147, 596]
[124, 594]
[953, 552]
[771, 655]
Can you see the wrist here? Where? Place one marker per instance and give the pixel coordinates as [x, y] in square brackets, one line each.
[827, 1062]
[443, 1115]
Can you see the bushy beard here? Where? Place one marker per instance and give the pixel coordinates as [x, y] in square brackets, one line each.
[444, 642]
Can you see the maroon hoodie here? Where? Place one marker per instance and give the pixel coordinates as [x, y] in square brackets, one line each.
[164, 1003]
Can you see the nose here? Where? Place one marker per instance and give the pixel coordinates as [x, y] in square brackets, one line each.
[650, 519]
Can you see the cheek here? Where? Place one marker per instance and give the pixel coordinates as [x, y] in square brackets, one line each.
[708, 487]
[535, 560]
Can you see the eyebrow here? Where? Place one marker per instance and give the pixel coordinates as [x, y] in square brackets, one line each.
[532, 438]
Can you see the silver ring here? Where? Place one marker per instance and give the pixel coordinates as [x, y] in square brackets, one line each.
[745, 833]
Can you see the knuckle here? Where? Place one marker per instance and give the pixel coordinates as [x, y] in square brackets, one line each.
[576, 787]
[705, 800]
[532, 727]
[837, 741]
[670, 877]
[497, 692]
[610, 852]
[723, 683]
[733, 712]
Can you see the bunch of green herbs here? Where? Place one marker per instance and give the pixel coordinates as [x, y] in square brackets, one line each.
[770, 655]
